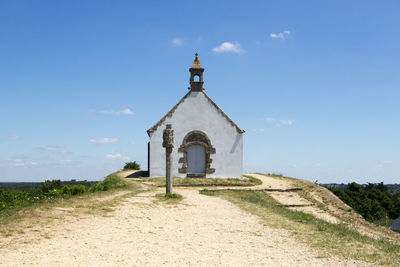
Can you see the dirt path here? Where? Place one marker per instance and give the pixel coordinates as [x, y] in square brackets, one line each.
[293, 198]
[199, 231]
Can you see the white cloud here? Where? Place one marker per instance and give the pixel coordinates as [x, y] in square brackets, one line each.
[53, 149]
[177, 42]
[13, 137]
[318, 164]
[114, 156]
[228, 47]
[286, 122]
[279, 123]
[126, 111]
[133, 143]
[104, 140]
[48, 148]
[117, 156]
[269, 119]
[281, 35]
[18, 163]
[383, 163]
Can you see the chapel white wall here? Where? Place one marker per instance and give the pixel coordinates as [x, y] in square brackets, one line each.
[196, 112]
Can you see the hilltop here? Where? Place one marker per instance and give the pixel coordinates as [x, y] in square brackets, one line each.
[277, 221]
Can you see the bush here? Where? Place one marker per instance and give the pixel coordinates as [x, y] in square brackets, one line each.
[113, 181]
[74, 190]
[98, 187]
[131, 166]
[52, 189]
[50, 185]
[55, 193]
[78, 189]
[374, 201]
[15, 198]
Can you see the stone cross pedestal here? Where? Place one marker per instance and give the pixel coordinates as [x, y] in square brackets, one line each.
[168, 143]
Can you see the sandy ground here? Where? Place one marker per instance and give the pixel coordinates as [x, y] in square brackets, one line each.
[335, 211]
[293, 198]
[199, 231]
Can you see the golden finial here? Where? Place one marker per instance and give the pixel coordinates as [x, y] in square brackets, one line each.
[196, 63]
[196, 60]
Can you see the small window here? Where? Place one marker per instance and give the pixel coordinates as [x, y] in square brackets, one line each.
[196, 78]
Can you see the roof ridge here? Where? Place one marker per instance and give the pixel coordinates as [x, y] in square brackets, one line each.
[224, 114]
[171, 112]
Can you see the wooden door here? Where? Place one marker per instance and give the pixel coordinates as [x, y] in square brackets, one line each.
[196, 159]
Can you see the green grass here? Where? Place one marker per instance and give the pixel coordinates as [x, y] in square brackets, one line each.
[173, 196]
[250, 181]
[278, 176]
[40, 214]
[336, 239]
[169, 198]
[113, 181]
[273, 174]
[23, 203]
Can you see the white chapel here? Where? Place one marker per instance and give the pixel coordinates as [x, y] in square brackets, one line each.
[207, 143]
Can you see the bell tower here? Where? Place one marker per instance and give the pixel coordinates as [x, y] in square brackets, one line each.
[196, 75]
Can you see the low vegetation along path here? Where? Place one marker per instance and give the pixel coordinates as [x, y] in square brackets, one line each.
[142, 230]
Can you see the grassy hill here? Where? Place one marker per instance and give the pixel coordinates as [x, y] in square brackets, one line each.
[319, 219]
[17, 199]
[310, 213]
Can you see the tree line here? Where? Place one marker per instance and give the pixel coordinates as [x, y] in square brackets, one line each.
[375, 202]
[53, 189]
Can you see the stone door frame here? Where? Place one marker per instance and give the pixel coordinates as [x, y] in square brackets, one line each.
[198, 138]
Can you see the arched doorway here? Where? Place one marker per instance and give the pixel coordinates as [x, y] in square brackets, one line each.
[196, 160]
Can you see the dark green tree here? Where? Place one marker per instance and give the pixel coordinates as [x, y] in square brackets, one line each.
[131, 166]
[373, 201]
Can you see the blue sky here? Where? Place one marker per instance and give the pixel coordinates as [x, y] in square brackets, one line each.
[315, 84]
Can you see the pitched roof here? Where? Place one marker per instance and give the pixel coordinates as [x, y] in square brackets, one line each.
[171, 112]
[396, 225]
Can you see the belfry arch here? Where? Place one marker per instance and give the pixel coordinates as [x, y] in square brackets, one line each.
[193, 139]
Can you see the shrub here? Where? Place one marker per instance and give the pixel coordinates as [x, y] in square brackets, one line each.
[113, 181]
[51, 189]
[78, 189]
[74, 190]
[55, 193]
[131, 166]
[98, 187]
[374, 201]
[50, 185]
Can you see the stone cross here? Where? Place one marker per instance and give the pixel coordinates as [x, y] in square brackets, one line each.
[168, 143]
